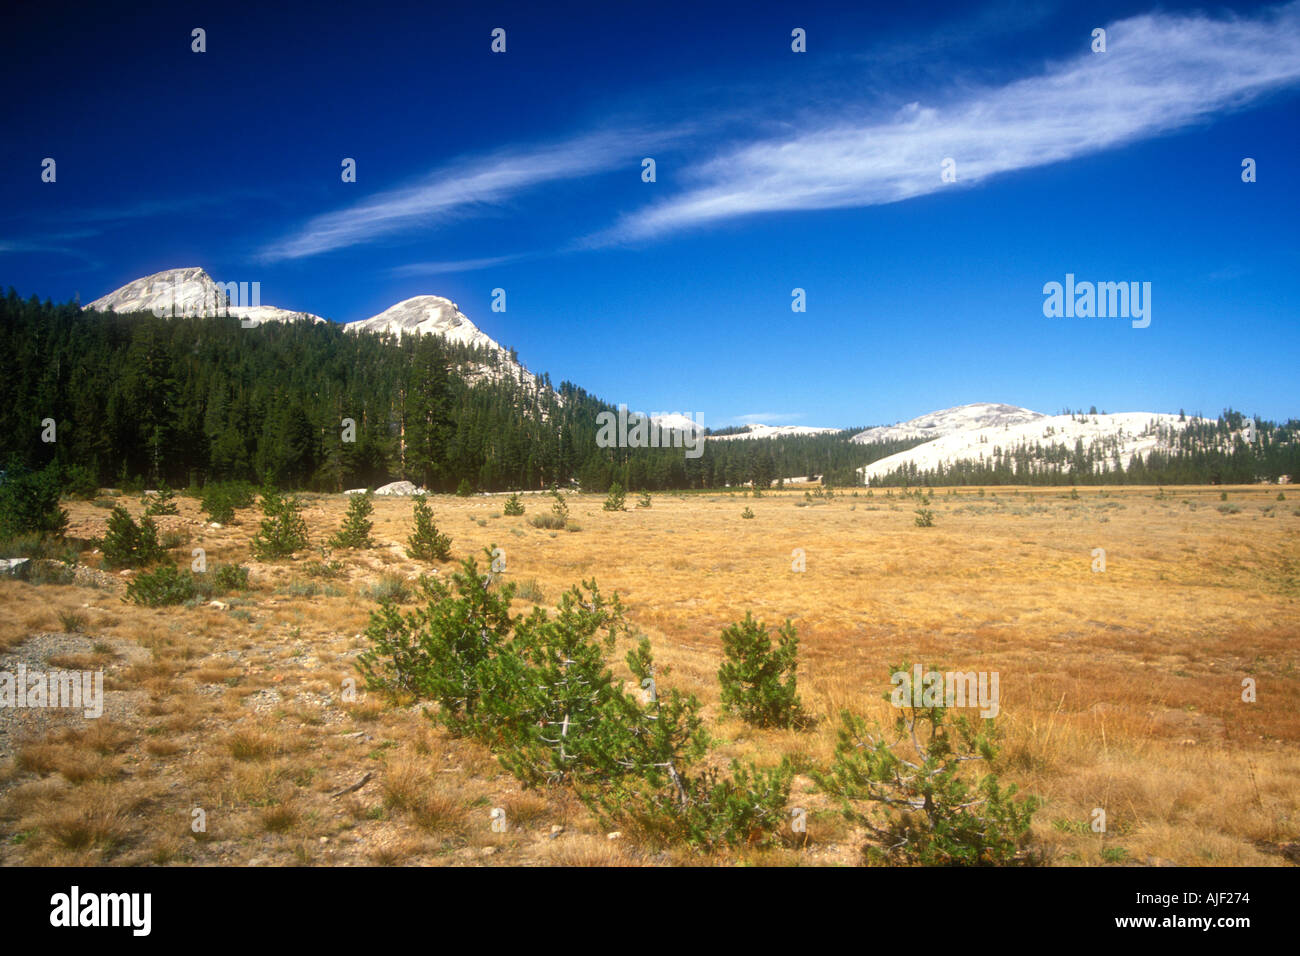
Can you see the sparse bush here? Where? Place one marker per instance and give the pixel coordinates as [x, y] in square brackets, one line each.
[174, 539]
[427, 543]
[617, 497]
[324, 568]
[29, 503]
[164, 585]
[45, 571]
[514, 506]
[758, 678]
[283, 530]
[549, 521]
[128, 545]
[230, 577]
[747, 513]
[920, 808]
[74, 622]
[390, 587]
[644, 500]
[355, 532]
[530, 590]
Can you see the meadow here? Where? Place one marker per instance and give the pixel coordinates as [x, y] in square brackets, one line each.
[1121, 688]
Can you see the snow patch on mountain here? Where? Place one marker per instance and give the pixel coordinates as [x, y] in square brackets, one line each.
[425, 315]
[435, 315]
[950, 420]
[676, 421]
[774, 431]
[1123, 436]
[192, 292]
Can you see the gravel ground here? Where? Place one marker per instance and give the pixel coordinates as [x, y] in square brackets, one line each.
[19, 725]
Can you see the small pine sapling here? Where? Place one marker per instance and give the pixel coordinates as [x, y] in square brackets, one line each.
[427, 543]
[355, 532]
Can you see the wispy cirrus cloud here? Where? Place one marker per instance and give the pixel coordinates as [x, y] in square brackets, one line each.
[1159, 73]
[459, 188]
[458, 265]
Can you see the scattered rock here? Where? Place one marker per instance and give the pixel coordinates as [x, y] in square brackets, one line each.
[556, 830]
[616, 835]
[219, 605]
[400, 488]
[11, 565]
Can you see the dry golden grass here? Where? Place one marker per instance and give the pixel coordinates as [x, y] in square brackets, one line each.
[1119, 690]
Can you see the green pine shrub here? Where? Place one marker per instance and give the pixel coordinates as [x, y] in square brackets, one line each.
[644, 500]
[80, 482]
[538, 691]
[283, 530]
[924, 518]
[560, 507]
[355, 532]
[514, 506]
[617, 497]
[914, 796]
[220, 499]
[129, 545]
[434, 652]
[29, 503]
[161, 502]
[426, 542]
[758, 677]
[547, 686]
[644, 756]
[164, 585]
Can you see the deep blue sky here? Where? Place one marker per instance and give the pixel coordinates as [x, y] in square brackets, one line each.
[776, 170]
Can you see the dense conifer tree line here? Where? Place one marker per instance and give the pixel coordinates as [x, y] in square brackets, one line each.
[140, 400]
[190, 400]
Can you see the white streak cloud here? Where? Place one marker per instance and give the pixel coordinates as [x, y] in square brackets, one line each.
[1159, 73]
[452, 191]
